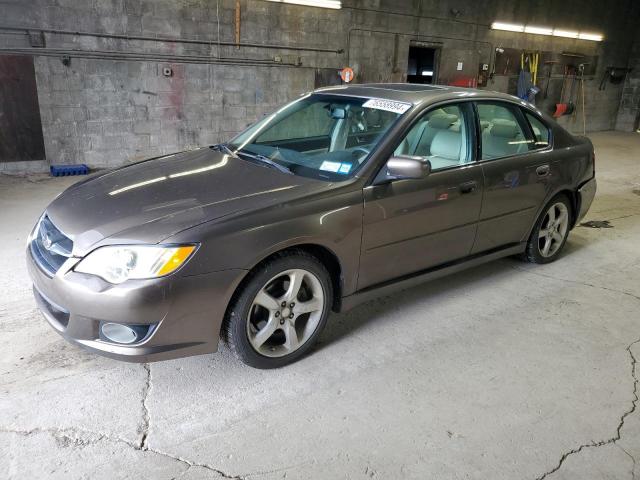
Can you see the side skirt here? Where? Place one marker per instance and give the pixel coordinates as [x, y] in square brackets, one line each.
[408, 281]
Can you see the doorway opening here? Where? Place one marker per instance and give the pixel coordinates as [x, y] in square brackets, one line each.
[422, 67]
[21, 136]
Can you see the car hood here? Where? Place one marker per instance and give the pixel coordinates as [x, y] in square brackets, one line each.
[149, 201]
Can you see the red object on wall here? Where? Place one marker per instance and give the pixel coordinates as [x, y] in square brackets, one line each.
[464, 81]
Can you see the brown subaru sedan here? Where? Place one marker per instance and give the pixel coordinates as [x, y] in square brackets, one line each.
[345, 194]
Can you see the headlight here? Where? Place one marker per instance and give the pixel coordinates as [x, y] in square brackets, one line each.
[118, 263]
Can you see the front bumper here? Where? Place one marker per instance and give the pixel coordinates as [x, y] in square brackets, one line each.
[186, 312]
[587, 193]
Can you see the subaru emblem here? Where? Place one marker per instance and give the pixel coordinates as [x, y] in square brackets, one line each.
[46, 241]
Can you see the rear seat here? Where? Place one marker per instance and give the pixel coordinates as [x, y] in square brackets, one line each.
[502, 139]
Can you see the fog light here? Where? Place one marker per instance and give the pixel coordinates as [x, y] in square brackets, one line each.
[118, 333]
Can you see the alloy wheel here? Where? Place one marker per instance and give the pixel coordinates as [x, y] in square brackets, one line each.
[285, 313]
[553, 229]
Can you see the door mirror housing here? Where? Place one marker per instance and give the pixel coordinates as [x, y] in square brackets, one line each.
[404, 167]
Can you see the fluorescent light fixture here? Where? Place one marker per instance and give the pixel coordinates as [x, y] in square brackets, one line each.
[335, 4]
[590, 36]
[565, 33]
[509, 27]
[556, 32]
[427, 73]
[537, 30]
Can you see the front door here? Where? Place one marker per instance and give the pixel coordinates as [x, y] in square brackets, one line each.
[413, 225]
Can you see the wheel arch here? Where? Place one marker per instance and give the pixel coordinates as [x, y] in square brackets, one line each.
[331, 262]
[323, 254]
[573, 198]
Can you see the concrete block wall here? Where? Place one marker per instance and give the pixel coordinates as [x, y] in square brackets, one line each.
[111, 110]
[103, 112]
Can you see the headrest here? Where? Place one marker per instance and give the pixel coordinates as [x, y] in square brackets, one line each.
[446, 144]
[442, 121]
[505, 130]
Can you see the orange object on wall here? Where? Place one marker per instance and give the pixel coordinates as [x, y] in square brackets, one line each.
[346, 74]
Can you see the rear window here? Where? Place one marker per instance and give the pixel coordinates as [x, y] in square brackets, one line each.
[541, 133]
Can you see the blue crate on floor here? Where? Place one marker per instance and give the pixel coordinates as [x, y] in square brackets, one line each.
[64, 170]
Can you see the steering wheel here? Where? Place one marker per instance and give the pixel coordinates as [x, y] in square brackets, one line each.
[366, 152]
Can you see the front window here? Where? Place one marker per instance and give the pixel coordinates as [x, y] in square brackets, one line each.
[440, 136]
[321, 136]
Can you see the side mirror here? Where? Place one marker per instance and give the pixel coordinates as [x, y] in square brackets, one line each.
[404, 167]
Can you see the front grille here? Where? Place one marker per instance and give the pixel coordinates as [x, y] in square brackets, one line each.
[50, 247]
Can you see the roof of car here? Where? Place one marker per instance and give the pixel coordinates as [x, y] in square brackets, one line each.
[412, 93]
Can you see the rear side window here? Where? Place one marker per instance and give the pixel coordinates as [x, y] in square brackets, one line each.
[502, 134]
[541, 133]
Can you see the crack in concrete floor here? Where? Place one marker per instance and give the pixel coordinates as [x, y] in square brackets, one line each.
[618, 434]
[146, 419]
[80, 437]
[633, 460]
[145, 425]
[577, 282]
[617, 437]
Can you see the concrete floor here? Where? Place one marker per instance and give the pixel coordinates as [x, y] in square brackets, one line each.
[507, 371]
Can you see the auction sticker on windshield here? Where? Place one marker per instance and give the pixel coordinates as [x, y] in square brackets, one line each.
[330, 166]
[387, 105]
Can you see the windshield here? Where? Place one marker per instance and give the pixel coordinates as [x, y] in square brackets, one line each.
[320, 136]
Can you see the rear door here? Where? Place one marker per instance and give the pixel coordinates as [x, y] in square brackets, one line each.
[517, 174]
[412, 225]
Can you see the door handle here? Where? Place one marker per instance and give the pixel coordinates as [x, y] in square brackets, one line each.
[468, 187]
[543, 170]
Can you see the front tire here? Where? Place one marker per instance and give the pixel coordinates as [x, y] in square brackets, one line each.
[281, 310]
[550, 233]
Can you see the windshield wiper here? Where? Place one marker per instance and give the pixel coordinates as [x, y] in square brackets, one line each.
[223, 147]
[266, 160]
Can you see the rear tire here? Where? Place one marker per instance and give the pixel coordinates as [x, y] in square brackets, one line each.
[550, 232]
[281, 310]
